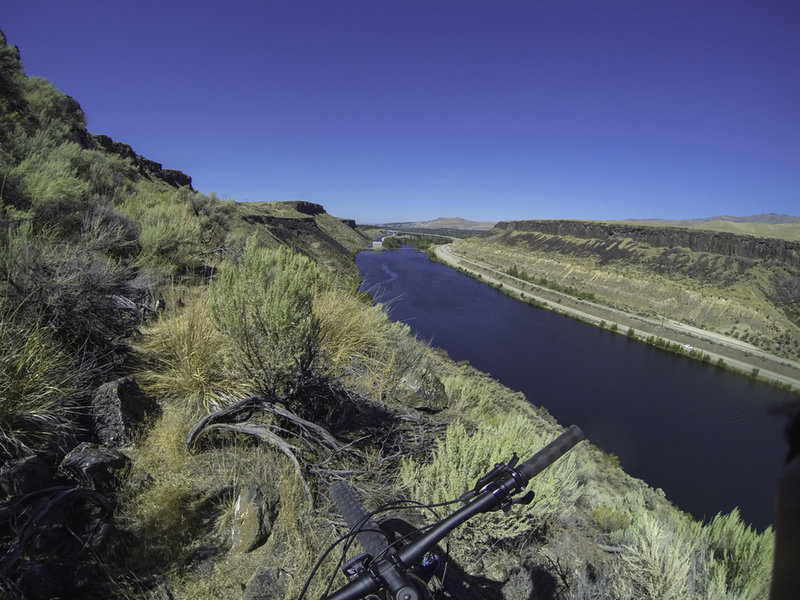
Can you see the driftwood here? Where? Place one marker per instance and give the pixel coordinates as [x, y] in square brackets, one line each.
[237, 417]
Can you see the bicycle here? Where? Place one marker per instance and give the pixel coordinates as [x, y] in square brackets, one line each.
[400, 561]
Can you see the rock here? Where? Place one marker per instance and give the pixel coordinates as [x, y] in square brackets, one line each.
[428, 392]
[252, 519]
[22, 476]
[40, 581]
[118, 407]
[148, 168]
[201, 559]
[726, 244]
[267, 583]
[432, 392]
[94, 466]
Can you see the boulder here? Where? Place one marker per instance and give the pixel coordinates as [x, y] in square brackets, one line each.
[94, 466]
[266, 583]
[22, 476]
[118, 408]
[253, 515]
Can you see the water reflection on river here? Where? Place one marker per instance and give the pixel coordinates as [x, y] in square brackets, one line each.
[708, 437]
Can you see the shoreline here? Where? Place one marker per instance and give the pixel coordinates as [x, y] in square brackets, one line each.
[693, 342]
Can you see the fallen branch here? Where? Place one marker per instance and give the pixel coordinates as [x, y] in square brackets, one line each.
[265, 435]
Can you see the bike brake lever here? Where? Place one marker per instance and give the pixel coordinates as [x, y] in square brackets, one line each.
[356, 565]
[498, 469]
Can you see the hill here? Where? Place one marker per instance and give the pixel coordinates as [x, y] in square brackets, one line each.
[443, 223]
[740, 286]
[763, 225]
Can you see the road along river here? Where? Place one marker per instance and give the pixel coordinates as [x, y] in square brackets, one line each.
[709, 437]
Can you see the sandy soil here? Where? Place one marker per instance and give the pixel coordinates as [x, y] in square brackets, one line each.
[737, 355]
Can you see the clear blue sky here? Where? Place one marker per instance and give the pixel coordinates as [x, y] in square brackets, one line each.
[408, 110]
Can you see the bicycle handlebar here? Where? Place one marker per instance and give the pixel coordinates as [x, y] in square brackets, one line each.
[493, 495]
[551, 453]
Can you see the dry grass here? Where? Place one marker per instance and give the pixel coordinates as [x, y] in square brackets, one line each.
[184, 354]
[358, 342]
[37, 380]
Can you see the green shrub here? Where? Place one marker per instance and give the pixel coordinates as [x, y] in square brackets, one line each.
[82, 297]
[610, 520]
[743, 554]
[468, 396]
[658, 562]
[461, 459]
[168, 231]
[265, 305]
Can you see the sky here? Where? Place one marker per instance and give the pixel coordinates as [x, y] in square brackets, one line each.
[411, 110]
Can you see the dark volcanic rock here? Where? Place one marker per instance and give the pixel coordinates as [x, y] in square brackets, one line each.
[96, 467]
[117, 408]
[148, 168]
[266, 584]
[24, 475]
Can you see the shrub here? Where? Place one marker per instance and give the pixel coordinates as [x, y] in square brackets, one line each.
[37, 382]
[82, 297]
[264, 305]
[610, 520]
[468, 396]
[359, 343]
[168, 232]
[658, 563]
[461, 459]
[184, 356]
[745, 555]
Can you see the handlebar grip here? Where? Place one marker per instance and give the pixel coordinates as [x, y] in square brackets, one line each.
[358, 520]
[550, 453]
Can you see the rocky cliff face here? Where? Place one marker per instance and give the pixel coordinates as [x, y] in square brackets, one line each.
[724, 244]
[146, 167]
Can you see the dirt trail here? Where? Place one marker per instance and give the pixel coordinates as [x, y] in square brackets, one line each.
[737, 355]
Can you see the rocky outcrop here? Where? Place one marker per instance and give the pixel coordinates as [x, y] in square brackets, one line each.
[724, 244]
[147, 168]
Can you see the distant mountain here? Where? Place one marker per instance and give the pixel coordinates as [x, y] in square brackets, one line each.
[455, 223]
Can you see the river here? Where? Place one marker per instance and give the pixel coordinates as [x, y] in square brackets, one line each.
[711, 439]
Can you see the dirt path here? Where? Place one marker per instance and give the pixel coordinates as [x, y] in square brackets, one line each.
[737, 355]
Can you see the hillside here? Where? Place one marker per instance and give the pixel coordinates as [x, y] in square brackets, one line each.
[768, 225]
[744, 287]
[182, 378]
[443, 224]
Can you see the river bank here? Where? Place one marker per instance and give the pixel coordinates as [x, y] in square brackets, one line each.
[704, 345]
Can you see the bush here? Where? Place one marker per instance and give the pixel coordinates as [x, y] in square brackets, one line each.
[658, 562]
[37, 382]
[169, 232]
[359, 343]
[609, 520]
[743, 554]
[461, 459]
[264, 305]
[184, 354]
[82, 297]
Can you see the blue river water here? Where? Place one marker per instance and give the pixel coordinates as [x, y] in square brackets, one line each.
[711, 439]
